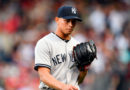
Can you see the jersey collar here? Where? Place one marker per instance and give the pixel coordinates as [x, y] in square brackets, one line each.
[61, 38]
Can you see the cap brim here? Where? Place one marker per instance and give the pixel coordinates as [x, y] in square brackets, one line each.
[72, 17]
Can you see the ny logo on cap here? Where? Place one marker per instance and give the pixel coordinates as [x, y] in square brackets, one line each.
[73, 10]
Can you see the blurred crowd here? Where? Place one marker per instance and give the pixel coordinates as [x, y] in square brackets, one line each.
[106, 22]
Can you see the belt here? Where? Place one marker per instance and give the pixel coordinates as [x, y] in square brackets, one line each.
[46, 88]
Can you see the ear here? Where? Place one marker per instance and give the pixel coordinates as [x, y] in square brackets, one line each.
[56, 19]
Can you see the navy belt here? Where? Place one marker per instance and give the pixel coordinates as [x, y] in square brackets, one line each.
[48, 88]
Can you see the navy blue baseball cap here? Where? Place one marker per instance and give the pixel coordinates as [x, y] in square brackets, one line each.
[68, 12]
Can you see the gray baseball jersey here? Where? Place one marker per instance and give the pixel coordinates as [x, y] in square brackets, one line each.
[56, 54]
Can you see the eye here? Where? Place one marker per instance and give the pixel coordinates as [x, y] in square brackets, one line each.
[73, 21]
[68, 20]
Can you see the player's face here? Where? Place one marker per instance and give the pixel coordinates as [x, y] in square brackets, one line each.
[66, 26]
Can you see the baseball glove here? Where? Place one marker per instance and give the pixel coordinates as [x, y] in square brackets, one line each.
[84, 54]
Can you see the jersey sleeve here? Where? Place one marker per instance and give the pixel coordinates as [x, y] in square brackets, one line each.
[42, 55]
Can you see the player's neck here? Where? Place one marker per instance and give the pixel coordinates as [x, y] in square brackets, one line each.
[63, 36]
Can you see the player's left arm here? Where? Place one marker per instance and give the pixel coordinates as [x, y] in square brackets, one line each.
[82, 76]
[84, 54]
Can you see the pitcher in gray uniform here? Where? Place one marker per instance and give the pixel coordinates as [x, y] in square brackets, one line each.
[53, 54]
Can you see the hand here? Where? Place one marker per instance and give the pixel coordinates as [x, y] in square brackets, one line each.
[84, 68]
[69, 87]
[84, 54]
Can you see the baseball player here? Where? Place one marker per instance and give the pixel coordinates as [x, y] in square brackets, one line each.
[53, 54]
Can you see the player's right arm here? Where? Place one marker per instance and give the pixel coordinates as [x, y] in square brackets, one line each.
[48, 79]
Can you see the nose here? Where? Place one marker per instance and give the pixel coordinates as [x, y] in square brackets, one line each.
[71, 24]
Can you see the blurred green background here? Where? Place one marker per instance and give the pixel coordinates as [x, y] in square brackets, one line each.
[107, 22]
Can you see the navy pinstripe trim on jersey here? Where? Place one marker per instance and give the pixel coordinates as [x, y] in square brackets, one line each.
[61, 38]
[41, 65]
